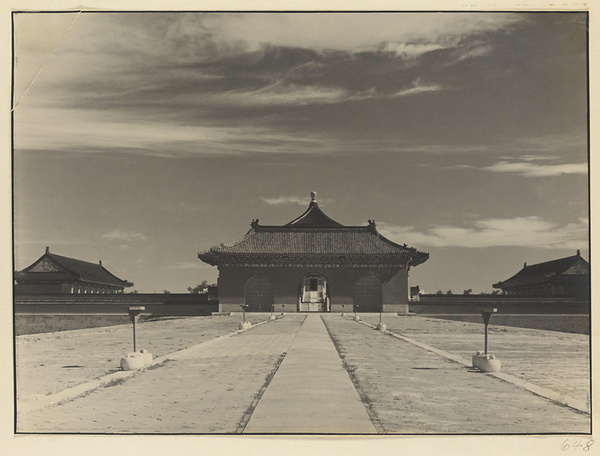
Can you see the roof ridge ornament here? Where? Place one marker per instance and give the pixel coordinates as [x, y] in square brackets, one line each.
[313, 197]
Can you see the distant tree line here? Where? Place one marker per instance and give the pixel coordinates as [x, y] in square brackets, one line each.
[202, 287]
[468, 292]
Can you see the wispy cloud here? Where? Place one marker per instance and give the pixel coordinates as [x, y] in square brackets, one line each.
[289, 94]
[123, 235]
[409, 34]
[532, 231]
[528, 169]
[529, 158]
[470, 52]
[418, 87]
[411, 50]
[282, 94]
[280, 200]
[88, 131]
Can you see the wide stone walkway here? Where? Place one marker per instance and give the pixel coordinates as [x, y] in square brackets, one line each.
[311, 392]
[300, 374]
[208, 388]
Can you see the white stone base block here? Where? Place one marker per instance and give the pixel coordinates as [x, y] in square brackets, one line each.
[132, 361]
[486, 363]
[245, 325]
[138, 360]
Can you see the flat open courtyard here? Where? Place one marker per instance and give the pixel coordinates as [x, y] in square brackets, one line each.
[302, 374]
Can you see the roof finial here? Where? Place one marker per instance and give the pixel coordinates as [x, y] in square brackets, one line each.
[47, 249]
[313, 197]
[100, 262]
[578, 252]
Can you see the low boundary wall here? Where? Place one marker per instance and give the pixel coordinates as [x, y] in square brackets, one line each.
[50, 313]
[472, 304]
[115, 304]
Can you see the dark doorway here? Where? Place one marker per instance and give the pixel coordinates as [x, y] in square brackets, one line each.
[313, 294]
[259, 295]
[367, 294]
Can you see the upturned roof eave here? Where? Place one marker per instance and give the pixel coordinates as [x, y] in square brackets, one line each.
[74, 274]
[541, 270]
[214, 255]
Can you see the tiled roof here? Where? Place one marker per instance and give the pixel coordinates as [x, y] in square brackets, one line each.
[285, 240]
[315, 234]
[73, 268]
[535, 272]
[313, 217]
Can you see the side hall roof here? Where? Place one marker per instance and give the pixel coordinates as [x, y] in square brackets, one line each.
[71, 268]
[529, 274]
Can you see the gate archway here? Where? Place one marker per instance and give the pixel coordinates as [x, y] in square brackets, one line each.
[313, 293]
[259, 295]
[367, 293]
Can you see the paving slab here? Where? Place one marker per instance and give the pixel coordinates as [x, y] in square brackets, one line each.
[49, 363]
[412, 390]
[207, 389]
[220, 385]
[554, 360]
[311, 392]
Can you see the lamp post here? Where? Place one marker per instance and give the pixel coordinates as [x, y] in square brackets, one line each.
[134, 315]
[244, 307]
[380, 313]
[343, 305]
[484, 361]
[487, 315]
[355, 311]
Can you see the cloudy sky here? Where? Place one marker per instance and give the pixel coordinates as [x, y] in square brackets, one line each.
[141, 139]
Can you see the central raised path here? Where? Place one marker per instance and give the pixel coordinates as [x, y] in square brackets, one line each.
[311, 392]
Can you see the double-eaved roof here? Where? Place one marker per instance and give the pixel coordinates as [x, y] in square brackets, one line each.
[58, 268]
[312, 236]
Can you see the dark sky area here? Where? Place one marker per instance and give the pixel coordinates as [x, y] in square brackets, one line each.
[141, 139]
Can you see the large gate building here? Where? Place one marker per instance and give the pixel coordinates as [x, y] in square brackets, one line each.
[313, 264]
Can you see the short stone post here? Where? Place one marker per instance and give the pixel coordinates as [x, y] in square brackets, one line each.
[484, 361]
[272, 317]
[343, 314]
[381, 326]
[356, 317]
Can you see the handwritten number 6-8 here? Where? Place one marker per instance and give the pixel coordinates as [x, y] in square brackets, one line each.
[576, 445]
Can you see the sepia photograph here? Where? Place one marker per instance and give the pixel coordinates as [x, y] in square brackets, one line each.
[302, 223]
